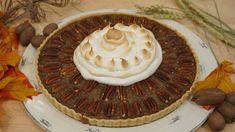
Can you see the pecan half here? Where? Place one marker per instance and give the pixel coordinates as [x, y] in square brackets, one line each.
[108, 92]
[137, 89]
[121, 93]
[95, 107]
[150, 104]
[109, 109]
[89, 85]
[124, 110]
[164, 96]
[137, 109]
[52, 78]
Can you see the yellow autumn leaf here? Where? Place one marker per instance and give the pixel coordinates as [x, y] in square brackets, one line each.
[5, 81]
[219, 78]
[13, 83]
[11, 59]
[1, 71]
[18, 91]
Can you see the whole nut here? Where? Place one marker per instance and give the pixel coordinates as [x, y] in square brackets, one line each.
[227, 110]
[37, 40]
[210, 96]
[216, 121]
[20, 28]
[49, 29]
[230, 97]
[26, 36]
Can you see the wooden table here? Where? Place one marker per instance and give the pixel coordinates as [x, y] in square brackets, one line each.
[15, 118]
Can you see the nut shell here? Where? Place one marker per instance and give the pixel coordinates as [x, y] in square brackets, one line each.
[227, 110]
[230, 97]
[49, 28]
[216, 121]
[26, 36]
[210, 96]
[37, 40]
[20, 28]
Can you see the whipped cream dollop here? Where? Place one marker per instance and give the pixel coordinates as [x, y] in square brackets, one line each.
[119, 55]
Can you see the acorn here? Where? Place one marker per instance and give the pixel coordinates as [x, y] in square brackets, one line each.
[37, 40]
[26, 35]
[49, 29]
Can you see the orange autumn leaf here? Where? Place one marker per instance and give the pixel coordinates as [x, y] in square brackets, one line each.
[16, 86]
[208, 107]
[11, 59]
[18, 91]
[1, 71]
[219, 78]
[5, 81]
[13, 83]
[8, 39]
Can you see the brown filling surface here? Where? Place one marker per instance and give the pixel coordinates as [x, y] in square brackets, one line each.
[63, 81]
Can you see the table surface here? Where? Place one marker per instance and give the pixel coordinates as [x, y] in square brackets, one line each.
[16, 119]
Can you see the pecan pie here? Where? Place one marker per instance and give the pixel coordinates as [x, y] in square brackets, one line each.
[116, 69]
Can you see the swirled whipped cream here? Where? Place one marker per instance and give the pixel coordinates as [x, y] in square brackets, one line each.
[119, 55]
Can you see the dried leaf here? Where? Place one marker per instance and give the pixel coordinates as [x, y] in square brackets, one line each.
[6, 81]
[219, 78]
[13, 83]
[208, 107]
[11, 59]
[1, 71]
[8, 39]
[16, 86]
[18, 91]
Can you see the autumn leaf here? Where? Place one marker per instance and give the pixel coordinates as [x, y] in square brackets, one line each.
[6, 81]
[8, 39]
[11, 59]
[16, 86]
[13, 83]
[1, 71]
[219, 78]
[18, 91]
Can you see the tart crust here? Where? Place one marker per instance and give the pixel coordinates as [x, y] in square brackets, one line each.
[115, 122]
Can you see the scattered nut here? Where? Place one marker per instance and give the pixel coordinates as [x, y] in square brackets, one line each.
[227, 110]
[210, 96]
[216, 121]
[49, 29]
[230, 97]
[20, 28]
[26, 36]
[37, 40]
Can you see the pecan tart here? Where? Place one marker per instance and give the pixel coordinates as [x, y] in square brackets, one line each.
[116, 69]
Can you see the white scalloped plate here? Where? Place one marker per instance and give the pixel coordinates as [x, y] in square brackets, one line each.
[188, 117]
